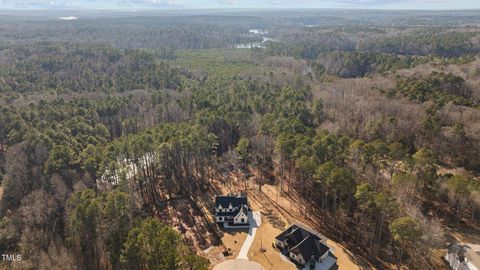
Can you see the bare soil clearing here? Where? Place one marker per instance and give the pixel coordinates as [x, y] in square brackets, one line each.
[233, 240]
[270, 259]
[278, 215]
[238, 265]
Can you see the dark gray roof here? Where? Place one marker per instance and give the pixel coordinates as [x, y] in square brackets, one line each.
[455, 249]
[242, 209]
[225, 214]
[298, 232]
[463, 251]
[235, 200]
[283, 235]
[302, 240]
[310, 247]
[296, 236]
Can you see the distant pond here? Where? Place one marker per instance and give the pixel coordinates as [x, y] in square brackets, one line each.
[255, 33]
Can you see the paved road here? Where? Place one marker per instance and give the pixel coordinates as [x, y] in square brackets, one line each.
[255, 222]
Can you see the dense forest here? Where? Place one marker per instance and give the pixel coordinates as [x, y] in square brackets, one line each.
[372, 124]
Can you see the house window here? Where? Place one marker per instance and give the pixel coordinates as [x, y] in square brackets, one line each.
[242, 220]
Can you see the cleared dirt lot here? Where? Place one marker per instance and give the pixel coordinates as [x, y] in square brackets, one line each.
[238, 265]
[233, 240]
[270, 259]
[277, 215]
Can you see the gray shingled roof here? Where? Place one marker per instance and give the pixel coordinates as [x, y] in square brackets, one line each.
[242, 209]
[309, 247]
[235, 200]
[303, 231]
[302, 240]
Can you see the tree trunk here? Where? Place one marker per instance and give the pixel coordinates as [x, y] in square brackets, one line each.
[399, 261]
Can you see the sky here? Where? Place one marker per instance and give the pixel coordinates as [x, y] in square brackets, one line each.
[240, 4]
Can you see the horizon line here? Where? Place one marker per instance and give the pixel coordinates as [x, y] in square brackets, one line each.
[230, 9]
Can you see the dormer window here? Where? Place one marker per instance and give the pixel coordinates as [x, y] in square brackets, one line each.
[231, 209]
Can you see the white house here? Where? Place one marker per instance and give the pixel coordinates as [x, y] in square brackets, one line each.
[306, 248]
[463, 256]
[232, 210]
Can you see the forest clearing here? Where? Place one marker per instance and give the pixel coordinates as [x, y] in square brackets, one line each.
[276, 216]
[279, 139]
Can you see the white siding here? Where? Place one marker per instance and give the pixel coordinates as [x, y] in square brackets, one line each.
[298, 258]
[279, 243]
[452, 259]
[240, 218]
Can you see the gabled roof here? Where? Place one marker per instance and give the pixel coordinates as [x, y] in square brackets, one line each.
[302, 240]
[470, 252]
[242, 209]
[310, 247]
[235, 200]
[296, 236]
[297, 232]
[284, 234]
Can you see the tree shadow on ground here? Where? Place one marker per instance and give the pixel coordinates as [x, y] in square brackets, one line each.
[274, 219]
